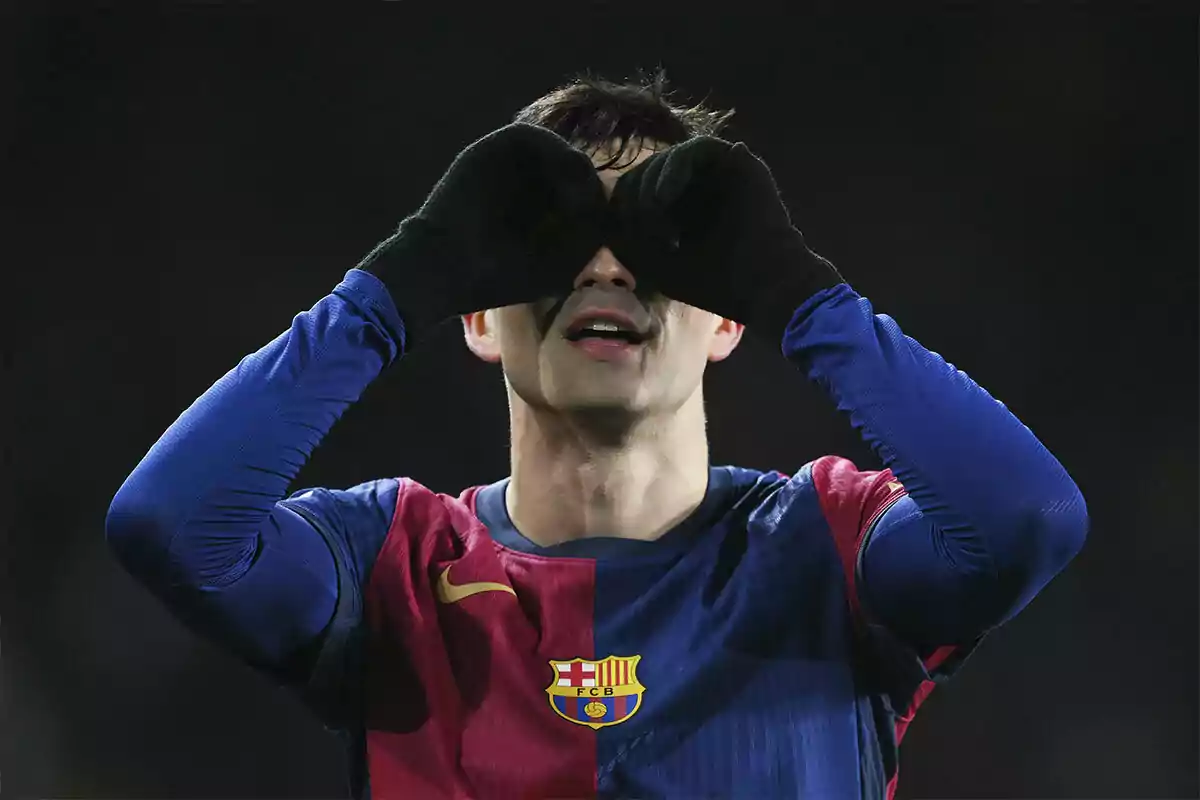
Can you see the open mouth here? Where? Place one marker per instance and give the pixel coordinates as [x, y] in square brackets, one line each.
[604, 330]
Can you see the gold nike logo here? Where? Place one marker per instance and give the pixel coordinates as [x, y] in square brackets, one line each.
[447, 592]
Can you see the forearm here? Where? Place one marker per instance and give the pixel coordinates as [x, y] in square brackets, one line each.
[192, 511]
[1003, 510]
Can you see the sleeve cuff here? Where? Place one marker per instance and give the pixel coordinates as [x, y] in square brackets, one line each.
[369, 294]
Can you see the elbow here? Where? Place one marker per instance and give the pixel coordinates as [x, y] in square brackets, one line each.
[169, 550]
[138, 531]
[990, 578]
[1043, 532]
[1052, 536]
[1060, 529]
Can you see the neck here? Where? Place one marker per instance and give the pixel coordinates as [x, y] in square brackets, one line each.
[598, 474]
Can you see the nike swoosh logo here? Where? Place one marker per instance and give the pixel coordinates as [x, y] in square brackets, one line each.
[448, 593]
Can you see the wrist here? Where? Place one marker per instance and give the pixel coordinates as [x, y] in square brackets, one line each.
[796, 275]
[415, 265]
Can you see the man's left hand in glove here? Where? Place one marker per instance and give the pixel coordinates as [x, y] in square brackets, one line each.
[703, 223]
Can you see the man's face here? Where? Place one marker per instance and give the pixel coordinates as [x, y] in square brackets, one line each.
[604, 347]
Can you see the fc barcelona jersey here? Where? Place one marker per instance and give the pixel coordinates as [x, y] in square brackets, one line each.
[724, 659]
[772, 645]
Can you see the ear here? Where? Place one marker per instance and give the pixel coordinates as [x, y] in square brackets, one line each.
[479, 330]
[725, 339]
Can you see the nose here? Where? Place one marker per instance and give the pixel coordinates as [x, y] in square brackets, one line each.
[605, 270]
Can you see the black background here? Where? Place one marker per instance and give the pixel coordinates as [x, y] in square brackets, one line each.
[1017, 189]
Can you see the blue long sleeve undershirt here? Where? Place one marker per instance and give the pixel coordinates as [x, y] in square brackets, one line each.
[991, 516]
[199, 522]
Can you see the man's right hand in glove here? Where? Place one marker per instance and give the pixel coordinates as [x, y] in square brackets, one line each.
[516, 216]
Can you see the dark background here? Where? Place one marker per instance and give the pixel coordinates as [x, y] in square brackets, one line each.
[1018, 189]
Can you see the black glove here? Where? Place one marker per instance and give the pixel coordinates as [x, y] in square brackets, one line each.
[702, 222]
[515, 217]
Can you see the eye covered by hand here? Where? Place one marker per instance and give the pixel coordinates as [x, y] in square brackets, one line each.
[703, 223]
[515, 217]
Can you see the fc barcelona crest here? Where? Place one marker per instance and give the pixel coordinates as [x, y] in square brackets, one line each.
[596, 693]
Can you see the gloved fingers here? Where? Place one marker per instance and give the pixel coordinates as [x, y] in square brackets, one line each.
[689, 164]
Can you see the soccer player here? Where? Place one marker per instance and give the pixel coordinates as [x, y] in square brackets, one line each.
[618, 617]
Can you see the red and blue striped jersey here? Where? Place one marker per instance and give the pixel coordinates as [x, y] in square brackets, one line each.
[725, 659]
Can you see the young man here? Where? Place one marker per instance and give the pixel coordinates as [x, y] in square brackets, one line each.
[618, 617]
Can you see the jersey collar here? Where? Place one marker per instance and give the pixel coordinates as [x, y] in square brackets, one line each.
[493, 513]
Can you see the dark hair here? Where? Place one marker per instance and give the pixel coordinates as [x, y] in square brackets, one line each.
[592, 113]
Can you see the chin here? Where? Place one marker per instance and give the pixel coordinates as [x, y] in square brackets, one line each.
[610, 422]
[599, 402]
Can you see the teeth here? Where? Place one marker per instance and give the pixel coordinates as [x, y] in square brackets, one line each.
[607, 327]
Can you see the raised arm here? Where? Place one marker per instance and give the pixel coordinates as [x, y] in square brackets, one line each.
[990, 514]
[202, 521]
[199, 520]
[987, 516]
